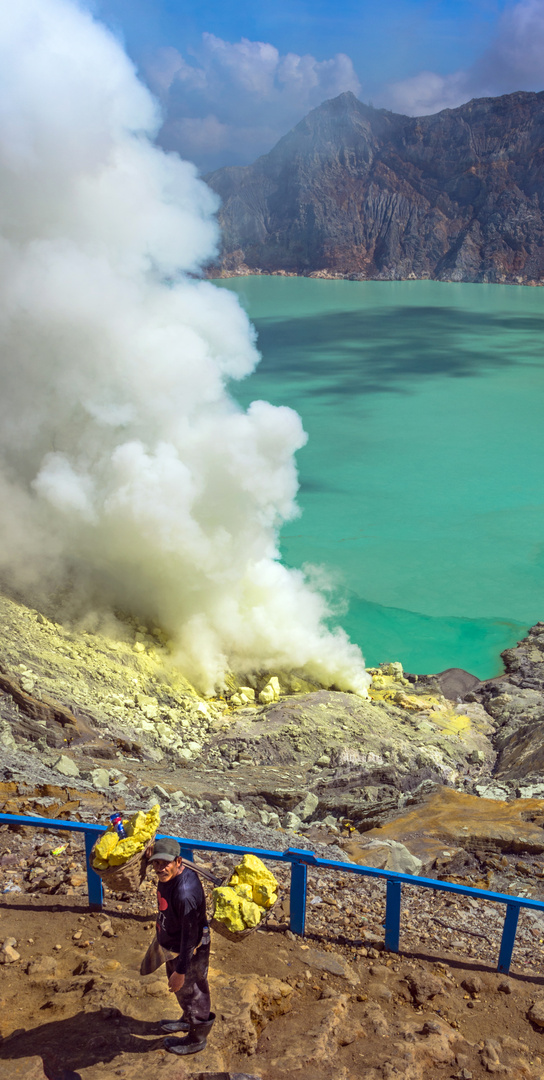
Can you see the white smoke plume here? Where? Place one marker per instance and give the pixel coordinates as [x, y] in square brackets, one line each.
[129, 478]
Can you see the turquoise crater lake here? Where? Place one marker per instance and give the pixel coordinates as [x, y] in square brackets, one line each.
[422, 483]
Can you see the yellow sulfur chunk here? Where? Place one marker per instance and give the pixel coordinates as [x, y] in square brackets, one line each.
[227, 908]
[234, 910]
[135, 824]
[245, 891]
[153, 819]
[150, 824]
[125, 850]
[100, 864]
[251, 913]
[265, 895]
[140, 827]
[106, 844]
[251, 871]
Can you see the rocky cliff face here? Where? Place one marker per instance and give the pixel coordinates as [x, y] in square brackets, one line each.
[364, 193]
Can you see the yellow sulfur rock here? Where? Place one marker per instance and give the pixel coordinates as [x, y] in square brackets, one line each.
[135, 824]
[124, 850]
[265, 895]
[100, 864]
[251, 871]
[140, 828]
[251, 913]
[250, 890]
[227, 908]
[234, 911]
[106, 844]
[245, 891]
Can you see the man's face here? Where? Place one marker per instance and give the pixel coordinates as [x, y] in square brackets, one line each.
[165, 870]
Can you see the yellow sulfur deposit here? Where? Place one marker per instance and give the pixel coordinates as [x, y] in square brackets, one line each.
[106, 844]
[136, 824]
[100, 864]
[245, 891]
[388, 685]
[250, 891]
[264, 894]
[251, 913]
[140, 828]
[125, 850]
[234, 910]
[251, 871]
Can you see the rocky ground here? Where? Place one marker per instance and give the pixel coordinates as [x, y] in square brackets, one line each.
[333, 1005]
[433, 775]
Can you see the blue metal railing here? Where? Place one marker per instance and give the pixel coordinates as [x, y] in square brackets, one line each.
[300, 861]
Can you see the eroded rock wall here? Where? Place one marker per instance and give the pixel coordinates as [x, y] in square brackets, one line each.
[364, 193]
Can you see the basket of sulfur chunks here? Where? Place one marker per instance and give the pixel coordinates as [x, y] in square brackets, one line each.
[119, 861]
[245, 901]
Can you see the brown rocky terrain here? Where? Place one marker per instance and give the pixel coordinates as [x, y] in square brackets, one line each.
[409, 780]
[332, 1005]
[358, 192]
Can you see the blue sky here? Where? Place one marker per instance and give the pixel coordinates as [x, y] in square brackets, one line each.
[232, 78]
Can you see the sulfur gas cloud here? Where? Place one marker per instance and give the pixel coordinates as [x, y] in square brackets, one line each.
[129, 478]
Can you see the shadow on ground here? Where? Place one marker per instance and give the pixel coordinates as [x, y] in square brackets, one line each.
[79, 1041]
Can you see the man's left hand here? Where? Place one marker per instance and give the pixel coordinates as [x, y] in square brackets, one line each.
[175, 982]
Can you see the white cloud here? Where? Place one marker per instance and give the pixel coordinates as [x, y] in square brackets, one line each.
[514, 61]
[426, 93]
[232, 101]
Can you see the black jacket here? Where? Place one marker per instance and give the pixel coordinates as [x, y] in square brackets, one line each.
[182, 916]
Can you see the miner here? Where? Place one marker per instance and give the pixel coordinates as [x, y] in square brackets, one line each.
[182, 941]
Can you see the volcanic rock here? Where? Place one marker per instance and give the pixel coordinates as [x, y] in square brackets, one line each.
[516, 705]
[453, 816]
[358, 192]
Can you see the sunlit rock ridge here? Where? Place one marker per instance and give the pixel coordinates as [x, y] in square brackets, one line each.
[358, 192]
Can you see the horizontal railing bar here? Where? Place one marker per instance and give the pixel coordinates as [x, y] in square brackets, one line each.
[426, 883]
[50, 823]
[297, 856]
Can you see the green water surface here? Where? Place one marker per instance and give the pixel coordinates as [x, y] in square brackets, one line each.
[422, 483]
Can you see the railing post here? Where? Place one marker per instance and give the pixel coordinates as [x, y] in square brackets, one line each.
[508, 938]
[392, 915]
[94, 883]
[297, 897]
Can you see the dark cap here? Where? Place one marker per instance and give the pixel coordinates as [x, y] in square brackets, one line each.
[167, 849]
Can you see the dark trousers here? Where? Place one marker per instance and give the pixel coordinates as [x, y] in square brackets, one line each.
[194, 996]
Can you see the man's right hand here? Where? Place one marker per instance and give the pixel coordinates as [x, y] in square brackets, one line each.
[175, 982]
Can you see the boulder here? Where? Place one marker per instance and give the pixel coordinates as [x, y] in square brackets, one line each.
[270, 692]
[536, 1012]
[42, 967]
[291, 821]
[424, 986]
[8, 952]
[100, 779]
[306, 808]
[332, 964]
[66, 766]
[384, 855]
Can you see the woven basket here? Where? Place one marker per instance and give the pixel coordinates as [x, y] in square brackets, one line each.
[238, 935]
[125, 878]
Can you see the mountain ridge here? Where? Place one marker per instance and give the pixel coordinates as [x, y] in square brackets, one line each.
[364, 193]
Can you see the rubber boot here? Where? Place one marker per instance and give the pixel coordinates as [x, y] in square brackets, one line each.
[171, 1026]
[194, 1042]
